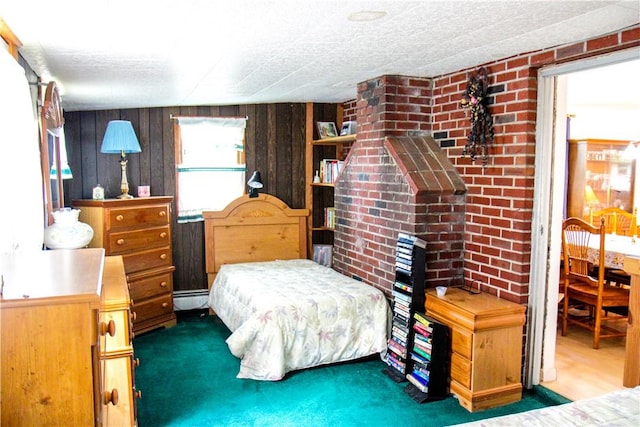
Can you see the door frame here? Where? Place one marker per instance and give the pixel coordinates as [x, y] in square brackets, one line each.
[548, 212]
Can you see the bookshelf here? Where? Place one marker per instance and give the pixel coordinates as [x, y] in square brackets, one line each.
[408, 295]
[417, 350]
[428, 373]
[324, 162]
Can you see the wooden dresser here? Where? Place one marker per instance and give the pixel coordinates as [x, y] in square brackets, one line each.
[67, 356]
[139, 229]
[486, 346]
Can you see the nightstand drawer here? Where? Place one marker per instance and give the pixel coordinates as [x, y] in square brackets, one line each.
[119, 243]
[144, 260]
[461, 369]
[151, 285]
[125, 218]
[153, 307]
[462, 343]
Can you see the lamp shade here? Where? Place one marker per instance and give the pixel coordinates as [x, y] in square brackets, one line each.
[120, 138]
[255, 181]
[590, 196]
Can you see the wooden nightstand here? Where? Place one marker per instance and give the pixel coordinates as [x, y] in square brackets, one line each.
[486, 346]
[139, 229]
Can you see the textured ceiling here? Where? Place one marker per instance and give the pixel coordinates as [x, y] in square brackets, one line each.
[145, 53]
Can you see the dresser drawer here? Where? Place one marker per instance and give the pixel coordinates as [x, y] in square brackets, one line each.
[462, 343]
[144, 260]
[118, 376]
[131, 217]
[118, 322]
[153, 307]
[151, 285]
[127, 241]
[461, 369]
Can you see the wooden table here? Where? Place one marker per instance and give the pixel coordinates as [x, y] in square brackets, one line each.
[616, 249]
[631, 375]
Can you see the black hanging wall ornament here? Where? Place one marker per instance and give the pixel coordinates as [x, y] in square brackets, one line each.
[475, 99]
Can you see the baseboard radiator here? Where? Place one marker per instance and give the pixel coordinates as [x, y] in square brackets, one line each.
[190, 300]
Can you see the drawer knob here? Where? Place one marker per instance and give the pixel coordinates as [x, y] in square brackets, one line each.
[119, 218]
[163, 234]
[136, 362]
[137, 394]
[163, 256]
[108, 328]
[111, 397]
[163, 284]
[163, 214]
[120, 242]
[165, 304]
[134, 316]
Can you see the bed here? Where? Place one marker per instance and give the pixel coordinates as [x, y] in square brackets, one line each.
[285, 312]
[617, 408]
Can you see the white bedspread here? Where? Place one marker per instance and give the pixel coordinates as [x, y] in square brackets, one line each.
[617, 408]
[288, 315]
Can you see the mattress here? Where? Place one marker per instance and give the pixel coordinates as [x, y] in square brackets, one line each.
[294, 314]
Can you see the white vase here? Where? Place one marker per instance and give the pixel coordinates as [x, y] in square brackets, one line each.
[67, 232]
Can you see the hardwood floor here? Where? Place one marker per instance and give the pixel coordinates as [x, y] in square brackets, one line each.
[584, 372]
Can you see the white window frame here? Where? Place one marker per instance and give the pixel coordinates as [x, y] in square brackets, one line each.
[210, 164]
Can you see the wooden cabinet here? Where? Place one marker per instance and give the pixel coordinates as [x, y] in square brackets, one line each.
[601, 174]
[319, 195]
[486, 346]
[116, 347]
[139, 229]
[61, 325]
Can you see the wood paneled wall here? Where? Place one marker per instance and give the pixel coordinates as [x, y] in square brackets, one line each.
[275, 146]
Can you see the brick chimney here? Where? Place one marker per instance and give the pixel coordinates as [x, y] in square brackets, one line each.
[397, 179]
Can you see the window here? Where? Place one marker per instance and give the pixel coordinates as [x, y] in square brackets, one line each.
[210, 166]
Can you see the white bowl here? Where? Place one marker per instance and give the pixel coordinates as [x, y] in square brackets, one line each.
[441, 290]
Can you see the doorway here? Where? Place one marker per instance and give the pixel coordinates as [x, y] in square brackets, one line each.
[548, 212]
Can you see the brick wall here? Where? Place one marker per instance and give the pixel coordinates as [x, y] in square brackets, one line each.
[499, 205]
[397, 179]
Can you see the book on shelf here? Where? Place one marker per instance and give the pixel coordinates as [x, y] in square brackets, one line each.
[416, 382]
[397, 348]
[419, 359]
[421, 329]
[397, 332]
[403, 286]
[401, 320]
[423, 340]
[405, 305]
[330, 217]
[399, 296]
[422, 353]
[423, 319]
[400, 340]
[330, 170]
[420, 375]
[395, 362]
[407, 239]
[422, 346]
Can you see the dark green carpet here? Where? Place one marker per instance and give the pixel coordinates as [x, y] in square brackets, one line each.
[187, 378]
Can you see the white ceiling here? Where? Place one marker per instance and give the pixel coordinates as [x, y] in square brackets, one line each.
[146, 53]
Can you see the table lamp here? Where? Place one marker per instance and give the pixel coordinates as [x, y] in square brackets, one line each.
[591, 199]
[254, 183]
[120, 138]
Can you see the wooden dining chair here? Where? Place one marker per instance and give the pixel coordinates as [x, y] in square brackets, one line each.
[616, 221]
[582, 288]
[621, 222]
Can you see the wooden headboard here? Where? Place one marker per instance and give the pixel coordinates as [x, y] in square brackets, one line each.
[262, 228]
